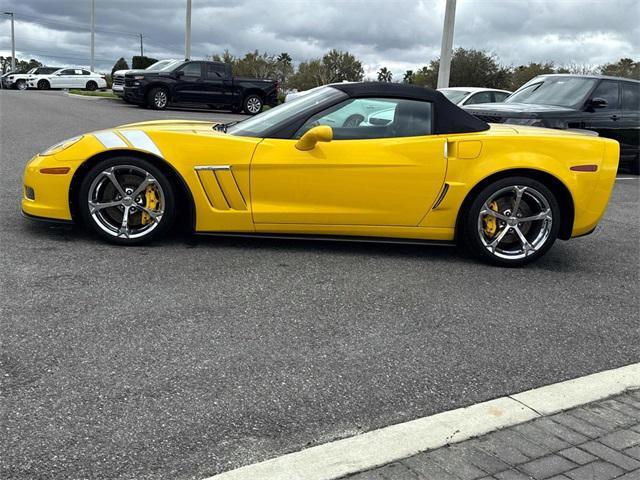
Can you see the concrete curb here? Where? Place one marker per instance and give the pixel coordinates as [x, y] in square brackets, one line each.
[87, 97]
[379, 447]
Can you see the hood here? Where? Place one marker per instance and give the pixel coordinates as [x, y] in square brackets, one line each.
[172, 125]
[518, 109]
[124, 72]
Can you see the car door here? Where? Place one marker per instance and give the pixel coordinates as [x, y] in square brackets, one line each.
[189, 87]
[605, 119]
[63, 79]
[630, 123]
[216, 85]
[387, 175]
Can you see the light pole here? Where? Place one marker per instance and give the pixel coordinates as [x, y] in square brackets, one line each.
[93, 31]
[13, 42]
[141, 47]
[447, 44]
[187, 33]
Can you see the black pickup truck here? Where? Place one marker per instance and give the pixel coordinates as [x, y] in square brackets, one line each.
[201, 82]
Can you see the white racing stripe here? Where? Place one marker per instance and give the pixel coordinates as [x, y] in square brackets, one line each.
[110, 139]
[379, 447]
[140, 140]
[627, 178]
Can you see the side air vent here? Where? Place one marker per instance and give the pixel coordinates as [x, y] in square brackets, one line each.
[221, 187]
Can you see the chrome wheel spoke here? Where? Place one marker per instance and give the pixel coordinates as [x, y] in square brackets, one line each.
[143, 185]
[488, 211]
[516, 203]
[110, 174]
[155, 215]
[124, 227]
[544, 215]
[94, 206]
[526, 246]
[496, 241]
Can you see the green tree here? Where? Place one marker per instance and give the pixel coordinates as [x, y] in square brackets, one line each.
[121, 64]
[385, 75]
[226, 57]
[140, 63]
[284, 70]
[334, 67]
[523, 73]
[408, 77]
[625, 67]
[256, 64]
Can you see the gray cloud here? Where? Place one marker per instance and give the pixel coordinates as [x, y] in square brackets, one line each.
[400, 34]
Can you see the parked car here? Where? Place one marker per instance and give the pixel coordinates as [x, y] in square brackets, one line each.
[434, 173]
[4, 78]
[201, 82]
[20, 80]
[117, 86]
[472, 95]
[609, 106]
[298, 93]
[69, 78]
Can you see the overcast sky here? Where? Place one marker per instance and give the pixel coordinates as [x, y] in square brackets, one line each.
[399, 34]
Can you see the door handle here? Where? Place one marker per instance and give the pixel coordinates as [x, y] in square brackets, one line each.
[614, 117]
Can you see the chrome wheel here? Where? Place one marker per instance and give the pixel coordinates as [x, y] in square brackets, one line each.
[254, 105]
[160, 99]
[21, 85]
[515, 222]
[126, 202]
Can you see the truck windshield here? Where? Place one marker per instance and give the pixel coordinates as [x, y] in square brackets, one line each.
[561, 91]
[259, 125]
[162, 65]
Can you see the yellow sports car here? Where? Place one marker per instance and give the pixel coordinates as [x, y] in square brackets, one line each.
[357, 161]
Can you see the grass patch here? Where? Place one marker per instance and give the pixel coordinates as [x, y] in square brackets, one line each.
[97, 93]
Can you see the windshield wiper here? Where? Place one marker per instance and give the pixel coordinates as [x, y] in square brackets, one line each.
[222, 127]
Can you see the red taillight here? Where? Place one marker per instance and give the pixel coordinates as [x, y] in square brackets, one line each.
[584, 168]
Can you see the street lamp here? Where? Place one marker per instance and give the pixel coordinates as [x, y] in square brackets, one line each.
[13, 42]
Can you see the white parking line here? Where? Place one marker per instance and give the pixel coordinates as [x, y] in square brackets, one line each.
[362, 452]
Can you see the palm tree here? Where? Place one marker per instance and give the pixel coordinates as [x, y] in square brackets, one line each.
[384, 75]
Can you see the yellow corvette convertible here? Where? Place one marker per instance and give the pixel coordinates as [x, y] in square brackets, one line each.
[360, 161]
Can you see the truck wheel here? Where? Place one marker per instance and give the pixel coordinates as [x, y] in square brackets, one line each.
[44, 85]
[253, 104]
[21, 85]
[158, 98]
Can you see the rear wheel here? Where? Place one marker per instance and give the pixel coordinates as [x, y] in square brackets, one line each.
[92, 86]
[158, 98]
[21, 85]
[512, 221]
[253, 104]
[44, 85]
[127, 201]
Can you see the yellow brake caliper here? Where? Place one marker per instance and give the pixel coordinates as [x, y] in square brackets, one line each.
[490, 222]
[151, 200]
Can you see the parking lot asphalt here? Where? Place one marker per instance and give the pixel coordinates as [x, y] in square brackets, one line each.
[197, 354]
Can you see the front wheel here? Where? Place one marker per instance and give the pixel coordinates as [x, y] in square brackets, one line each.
[127, 201]
[158, 98]
[21, 85]
[92, 86]
[44, 85]
[511, 222]
[253, 104]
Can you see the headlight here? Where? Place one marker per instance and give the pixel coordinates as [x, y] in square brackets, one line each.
[138, 77]
[59, 147]
[531, 122]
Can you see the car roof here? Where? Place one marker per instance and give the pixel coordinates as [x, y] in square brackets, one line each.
[603, 77]
[475, 89]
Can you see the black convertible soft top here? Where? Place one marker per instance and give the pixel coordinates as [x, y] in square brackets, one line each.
[448, 118]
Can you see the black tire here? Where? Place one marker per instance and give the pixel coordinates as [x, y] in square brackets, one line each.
[353, 121]
[44, 85]
[100, 223]
[252, 104]
[544, 231]
[158, 98]
[634, 166]
[91, 86]
[21, 85]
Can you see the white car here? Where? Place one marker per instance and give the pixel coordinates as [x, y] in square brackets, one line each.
[295, 94]
[69, 78]
[20, 80]
[118, 76]
[470, 95]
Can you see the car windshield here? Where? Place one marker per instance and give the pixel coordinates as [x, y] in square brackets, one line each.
[161, 65]
[561, 91]
[260, 124]
[454, 96]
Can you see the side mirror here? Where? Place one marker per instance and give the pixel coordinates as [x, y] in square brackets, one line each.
[179, 73]
[598, 103]
[321, 133]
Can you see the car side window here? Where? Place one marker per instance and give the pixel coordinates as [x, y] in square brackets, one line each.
[215, 71]
[630, 96]
[85, 72]
[499, 96]
[608, 90]
[480, 97]
[192, 69]
[67, 72]
[368, 118]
